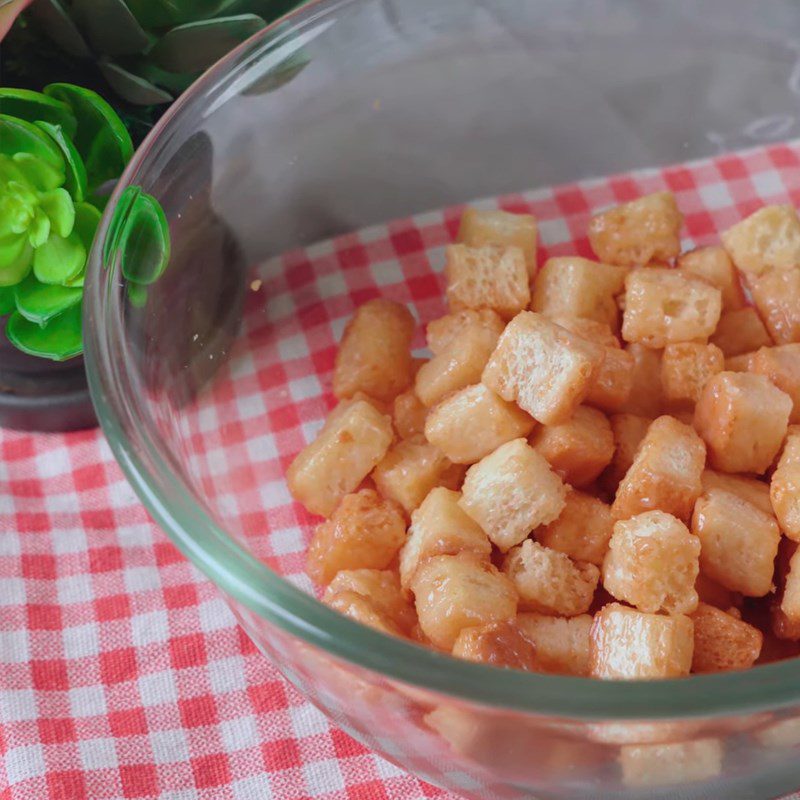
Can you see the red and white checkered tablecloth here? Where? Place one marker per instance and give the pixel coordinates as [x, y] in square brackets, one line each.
[122, 671]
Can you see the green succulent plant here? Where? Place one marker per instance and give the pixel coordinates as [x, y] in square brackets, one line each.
[149, 51]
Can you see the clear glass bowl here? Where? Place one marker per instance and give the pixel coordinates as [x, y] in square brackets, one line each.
[347, 114]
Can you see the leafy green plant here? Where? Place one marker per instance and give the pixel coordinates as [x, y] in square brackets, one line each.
[58, 151]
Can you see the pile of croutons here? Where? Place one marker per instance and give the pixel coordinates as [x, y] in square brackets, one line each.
[595, 472]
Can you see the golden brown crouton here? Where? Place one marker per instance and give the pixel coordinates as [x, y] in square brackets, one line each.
[739, 332]
[440, 332]
[715, 266]
[685, 369]
[501, 644]
[562, 643]
[768, 239]
[722, 642]
[782, 366]
[479, 228]
[777, 298]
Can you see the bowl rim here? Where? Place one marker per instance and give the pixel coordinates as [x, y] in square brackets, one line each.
[250, 582]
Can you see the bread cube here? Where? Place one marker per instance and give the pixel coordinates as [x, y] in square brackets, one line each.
[562, 643]
[501, 644]
[550, 582]
[711, 593]
[715, 266]
[409, 415]
[652, 563]
[382, 587]
[571, 286]
[409, 470]
[473, 422]
[479, 228]
[685, 369]
[645, 398]
[628, 430]
[365, 532]
[668, 305]
[582, 530]
[636, 233]
[739, 332]
[612, 388]
[362, 609]
[491, 276]
[777, 298]
[457, 592]
[790, 454]
[579, 449]
[785, 623]
[790, 598]
[738, 542]
[628, 644]
[722, 642]
[753, 491]
[782, 366]
[784, 488]
[374, 356]
[342, 455]
[542, 367]
[742, 419]
[440, 527]
[440, 332]
[742, 363]
[783, 734]
[671, 763]
[511, 492]
[665, 474]
[768, 239]
[597, 332]
[458, 364]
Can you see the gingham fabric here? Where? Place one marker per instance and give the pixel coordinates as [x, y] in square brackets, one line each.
[122, 672]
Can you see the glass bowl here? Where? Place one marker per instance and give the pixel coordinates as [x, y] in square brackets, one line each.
[345, 115]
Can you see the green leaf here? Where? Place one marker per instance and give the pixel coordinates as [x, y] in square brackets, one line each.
[39, 229]
[39, 302]
[15, 263]
[152, 13]
[59, 208]
[75, 181]
[196, 46]
[15, 215]
[58, 25]
[144, 241]
[35, 107]
[110, 27]
[38, 173]
[87, 218]
[191, 10]
[19, 136]
[137, 295]
[59, 259]
[58, 340]
[8, 302]
[118, 218]
[133, 88]
[102, 140]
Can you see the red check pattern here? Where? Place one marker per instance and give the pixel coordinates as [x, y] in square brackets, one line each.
[122, 672]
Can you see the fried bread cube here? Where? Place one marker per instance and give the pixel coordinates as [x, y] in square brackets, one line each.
[628, 431]
[473, 422]
[342, 455]
[597, 332]
[685, 369]
[790, 600]
[612, 389]
[501, 644]
[782, 366]
[738, 542]
[458, 364]
[753, 491]
[365, 532]
[742, 419]
[409, 470]
[713, 594]
[629, 644]
[440, 332]
[636, 233]
[562, 643]
[582, 530]
[714, 265]
[511, 492]
[578, 449]
[777, 298]
[652, 563]
[739, 332]
[664, 306]
[362, 609]
[572, 286]
[722, 642]
[742, 363]
[550, 582]
[542, 367]
[671, 763]
[479, 228]
[382, 587]
[768, 239]
[457, 592]
[645, 397]
[440, 527]
[491, 276]
[790, 454]
[785, 624]
[665, 474]
[374, 356]
[409, 415]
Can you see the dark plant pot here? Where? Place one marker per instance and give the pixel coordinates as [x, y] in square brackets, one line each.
[41, 395]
